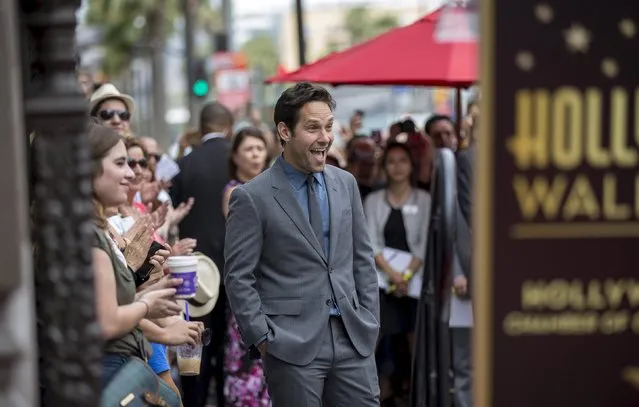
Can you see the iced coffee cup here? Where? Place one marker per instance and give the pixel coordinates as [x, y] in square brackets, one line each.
[189, 358]
[184, 267]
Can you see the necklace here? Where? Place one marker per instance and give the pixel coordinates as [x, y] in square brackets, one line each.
[397, 201]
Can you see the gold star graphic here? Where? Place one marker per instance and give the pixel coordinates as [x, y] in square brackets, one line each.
[609, 67]
[544, 13]
[577, 38]
[628, 28]
[525, 60]
[631, 375]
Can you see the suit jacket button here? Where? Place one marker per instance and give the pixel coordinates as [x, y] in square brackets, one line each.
[329, 302]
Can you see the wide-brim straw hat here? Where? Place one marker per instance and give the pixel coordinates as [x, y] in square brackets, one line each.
[208, 290]
[106, 92]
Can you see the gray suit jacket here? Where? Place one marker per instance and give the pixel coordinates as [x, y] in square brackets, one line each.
[278, 280]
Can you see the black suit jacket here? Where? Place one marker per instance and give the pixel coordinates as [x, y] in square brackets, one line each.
[465, 161]
[203, 176]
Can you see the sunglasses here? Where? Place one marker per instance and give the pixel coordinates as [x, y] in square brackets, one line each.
[142, 163]
[109, 113]
[156, 156]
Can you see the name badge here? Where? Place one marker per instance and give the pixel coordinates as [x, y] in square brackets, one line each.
[410, 209]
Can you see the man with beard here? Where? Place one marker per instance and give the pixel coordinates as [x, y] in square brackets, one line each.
[300, 275]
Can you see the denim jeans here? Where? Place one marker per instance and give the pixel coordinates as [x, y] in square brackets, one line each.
[111, 363]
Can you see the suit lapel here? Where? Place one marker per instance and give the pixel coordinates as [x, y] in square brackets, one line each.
[335, 209]
[285, 198]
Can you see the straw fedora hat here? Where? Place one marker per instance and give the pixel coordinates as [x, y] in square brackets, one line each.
[106, 92]
[208, 290]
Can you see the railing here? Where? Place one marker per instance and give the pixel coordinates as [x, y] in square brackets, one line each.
[69, 338]
[431, 378]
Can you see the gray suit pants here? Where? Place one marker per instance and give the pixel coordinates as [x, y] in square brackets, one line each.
[462, 368]
[337, 377]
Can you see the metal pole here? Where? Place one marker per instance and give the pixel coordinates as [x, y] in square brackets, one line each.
[187, 9]
[227, 14]
[301, 42]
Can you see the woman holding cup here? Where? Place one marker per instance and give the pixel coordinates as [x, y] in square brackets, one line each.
[146, 258]
[119, 308]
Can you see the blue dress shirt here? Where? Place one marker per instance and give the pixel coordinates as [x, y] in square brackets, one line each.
[297, 179]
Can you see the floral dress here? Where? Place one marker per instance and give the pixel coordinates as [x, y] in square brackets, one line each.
[244, 383]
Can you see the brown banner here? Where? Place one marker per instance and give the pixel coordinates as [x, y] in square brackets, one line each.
[557, 220]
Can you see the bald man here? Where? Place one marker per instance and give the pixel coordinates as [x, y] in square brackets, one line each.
[152, 148]
[203, 176]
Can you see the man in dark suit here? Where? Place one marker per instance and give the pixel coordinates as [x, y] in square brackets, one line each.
[461, 336]
[465, 160]
[203, 176]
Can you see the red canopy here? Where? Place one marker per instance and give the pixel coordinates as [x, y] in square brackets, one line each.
[403, 56]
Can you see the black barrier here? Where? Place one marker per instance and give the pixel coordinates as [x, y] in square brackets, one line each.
[431, 379]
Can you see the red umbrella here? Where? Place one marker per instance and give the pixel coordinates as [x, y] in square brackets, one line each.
[280, 70]
[403, 56]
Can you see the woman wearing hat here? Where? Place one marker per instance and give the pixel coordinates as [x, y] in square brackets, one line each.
[112, 109]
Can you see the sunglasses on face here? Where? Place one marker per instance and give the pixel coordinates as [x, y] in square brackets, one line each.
[142, 163]
[109, 113]
[156, 156]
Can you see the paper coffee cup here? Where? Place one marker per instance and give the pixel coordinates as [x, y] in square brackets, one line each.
[184, 267]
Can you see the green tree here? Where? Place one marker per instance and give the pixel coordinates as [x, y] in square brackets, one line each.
[140, 28]
[130, 27]
[332, 45]
[261, 53]
[126, 26]
[361, 24]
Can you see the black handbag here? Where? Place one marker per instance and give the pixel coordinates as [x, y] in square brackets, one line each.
[136, 385]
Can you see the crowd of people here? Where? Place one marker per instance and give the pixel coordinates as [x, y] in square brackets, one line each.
[141, 221]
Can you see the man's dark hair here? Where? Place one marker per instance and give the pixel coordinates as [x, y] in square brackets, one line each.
[288, 106]
[408, 126]
[434, 119]
[359, 112]
[360, 147]
[215, 117]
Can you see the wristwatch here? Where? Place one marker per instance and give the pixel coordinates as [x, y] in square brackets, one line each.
[408, 274]
[126, 243]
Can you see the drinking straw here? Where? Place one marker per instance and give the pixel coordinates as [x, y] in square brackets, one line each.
[186, 310]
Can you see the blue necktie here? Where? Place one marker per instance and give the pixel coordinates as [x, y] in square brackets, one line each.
[314, 212]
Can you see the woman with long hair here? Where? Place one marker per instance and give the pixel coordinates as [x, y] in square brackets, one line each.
[168, 331]
[119, 308]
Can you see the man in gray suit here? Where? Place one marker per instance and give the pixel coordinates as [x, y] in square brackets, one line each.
[300, 275]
